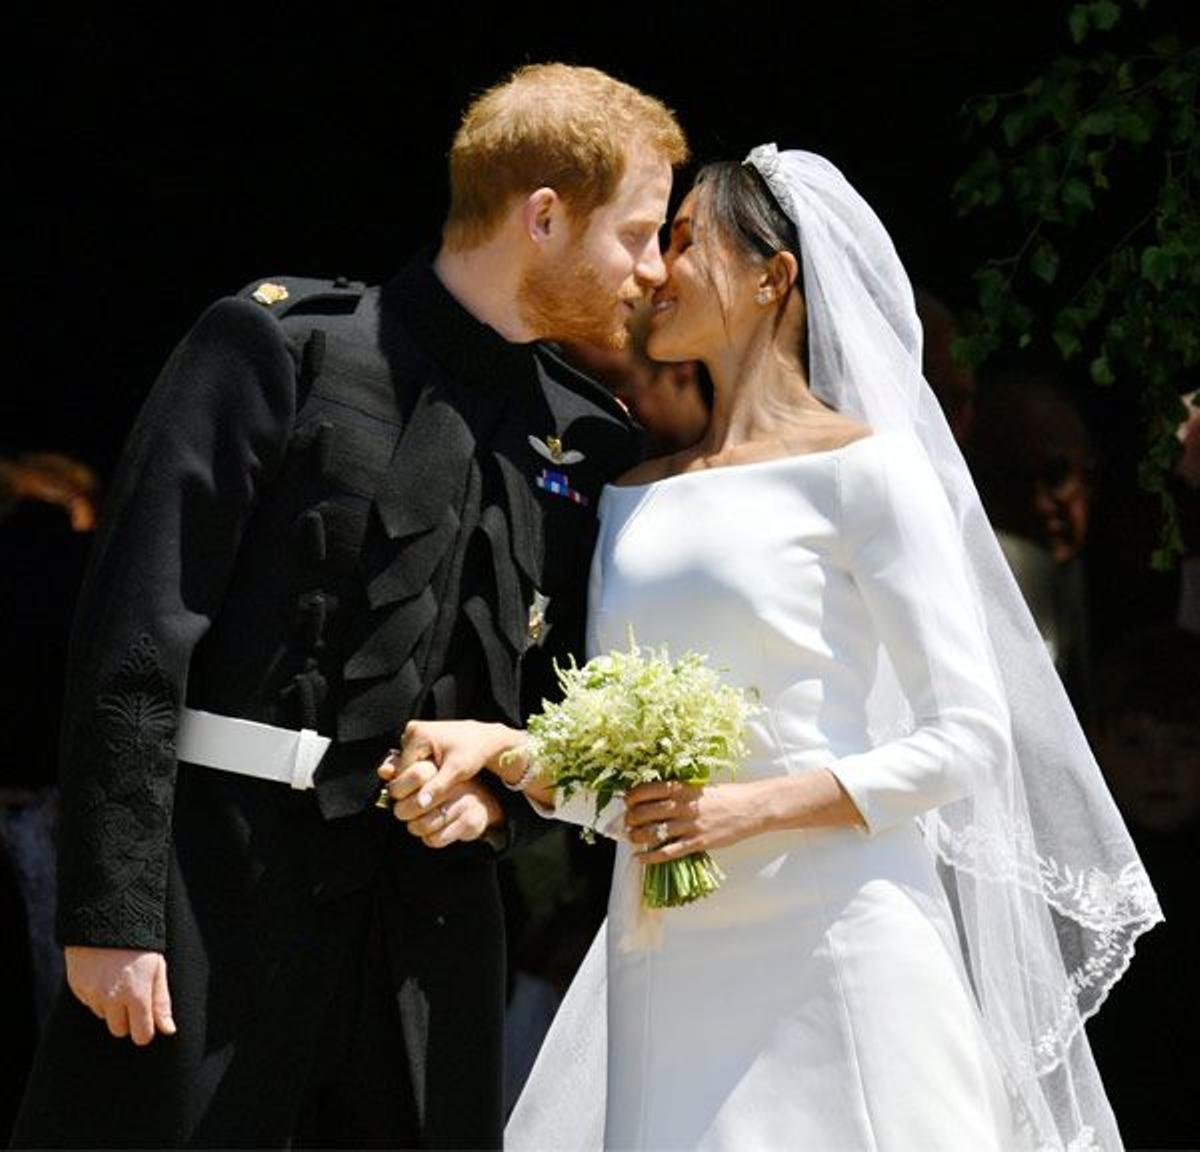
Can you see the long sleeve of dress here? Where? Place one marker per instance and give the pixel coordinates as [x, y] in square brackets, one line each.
[213, 429]
[902, 548]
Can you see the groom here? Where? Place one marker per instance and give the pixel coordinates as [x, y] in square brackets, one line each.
[340, 509]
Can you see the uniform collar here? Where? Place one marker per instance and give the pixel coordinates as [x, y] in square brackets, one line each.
[466, 348]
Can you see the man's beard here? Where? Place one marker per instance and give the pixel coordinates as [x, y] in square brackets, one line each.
[568, 302]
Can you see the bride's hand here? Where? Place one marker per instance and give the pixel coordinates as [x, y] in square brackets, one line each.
[672, 819]
[435, 757]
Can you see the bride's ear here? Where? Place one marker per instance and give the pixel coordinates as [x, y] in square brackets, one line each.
[784, 271]
[777, 278]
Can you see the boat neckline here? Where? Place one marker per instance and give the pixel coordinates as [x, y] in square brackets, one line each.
[748, 465]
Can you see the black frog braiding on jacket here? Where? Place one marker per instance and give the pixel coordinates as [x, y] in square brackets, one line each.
[326, 517]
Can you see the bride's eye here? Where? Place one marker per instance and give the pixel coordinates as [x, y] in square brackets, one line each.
[679, 239]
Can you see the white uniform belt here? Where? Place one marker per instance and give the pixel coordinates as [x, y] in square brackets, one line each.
[249, 748]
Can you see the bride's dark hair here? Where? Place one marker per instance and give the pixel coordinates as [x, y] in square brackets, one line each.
[737, 200]
[743, 207]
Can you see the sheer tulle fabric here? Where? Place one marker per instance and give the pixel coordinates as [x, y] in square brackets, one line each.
[1046, 885]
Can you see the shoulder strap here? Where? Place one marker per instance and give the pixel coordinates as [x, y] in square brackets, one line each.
[297, 295]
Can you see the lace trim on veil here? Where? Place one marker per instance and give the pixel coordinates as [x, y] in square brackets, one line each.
[1111, 912]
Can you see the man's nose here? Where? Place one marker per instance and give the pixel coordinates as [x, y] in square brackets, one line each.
[650, 271]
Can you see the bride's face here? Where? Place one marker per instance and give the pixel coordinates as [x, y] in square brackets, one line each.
[708, 297]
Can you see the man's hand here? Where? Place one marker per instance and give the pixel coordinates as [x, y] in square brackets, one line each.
[125, 988]
[465, 813]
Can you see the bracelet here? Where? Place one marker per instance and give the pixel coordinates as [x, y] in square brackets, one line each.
[527, 777]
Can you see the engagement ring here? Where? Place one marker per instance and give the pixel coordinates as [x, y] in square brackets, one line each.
[661, 832]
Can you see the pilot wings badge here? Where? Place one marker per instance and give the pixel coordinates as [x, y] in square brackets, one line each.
[552, 449]
[554, 481]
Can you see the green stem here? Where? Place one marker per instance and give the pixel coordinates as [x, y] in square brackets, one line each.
[677, 882]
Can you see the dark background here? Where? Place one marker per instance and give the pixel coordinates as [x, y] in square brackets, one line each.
[162, 157]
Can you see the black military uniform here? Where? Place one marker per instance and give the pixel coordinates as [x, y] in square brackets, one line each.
[335, 512]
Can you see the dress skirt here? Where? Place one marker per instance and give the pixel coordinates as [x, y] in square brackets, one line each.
[816, 1001]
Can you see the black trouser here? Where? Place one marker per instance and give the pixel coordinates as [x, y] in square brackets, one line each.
[370, 1019]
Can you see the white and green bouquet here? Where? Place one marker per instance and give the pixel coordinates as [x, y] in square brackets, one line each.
[629, 718]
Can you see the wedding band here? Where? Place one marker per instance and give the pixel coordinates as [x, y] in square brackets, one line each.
[384, 799]
[661, 832]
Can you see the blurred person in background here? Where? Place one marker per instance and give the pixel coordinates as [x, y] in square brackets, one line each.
[1188, 473]
[48, 508]
[953, 383]
[1147, 739]
[672, 402]
[52, 480]
[1128, 592]
[1032, 458]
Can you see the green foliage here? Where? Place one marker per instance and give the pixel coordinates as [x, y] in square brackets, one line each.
[1096, 164]
[629, 718]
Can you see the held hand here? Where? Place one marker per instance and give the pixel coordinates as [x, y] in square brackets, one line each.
[465, 813]
[435, 756]
[670, 819]
[125, 988]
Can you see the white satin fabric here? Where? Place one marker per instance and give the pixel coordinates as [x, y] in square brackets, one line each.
[819, 1000]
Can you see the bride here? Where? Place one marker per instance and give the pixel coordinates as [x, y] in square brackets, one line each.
[928, 888]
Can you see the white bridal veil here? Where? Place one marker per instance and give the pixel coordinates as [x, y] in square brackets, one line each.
[1048, 890]
[1046, 886]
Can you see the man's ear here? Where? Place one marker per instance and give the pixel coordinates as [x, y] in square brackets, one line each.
[541, 215]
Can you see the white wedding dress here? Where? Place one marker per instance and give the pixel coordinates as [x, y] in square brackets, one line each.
[819, 1000]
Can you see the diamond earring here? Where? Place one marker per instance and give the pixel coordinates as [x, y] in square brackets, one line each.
[764, 295]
